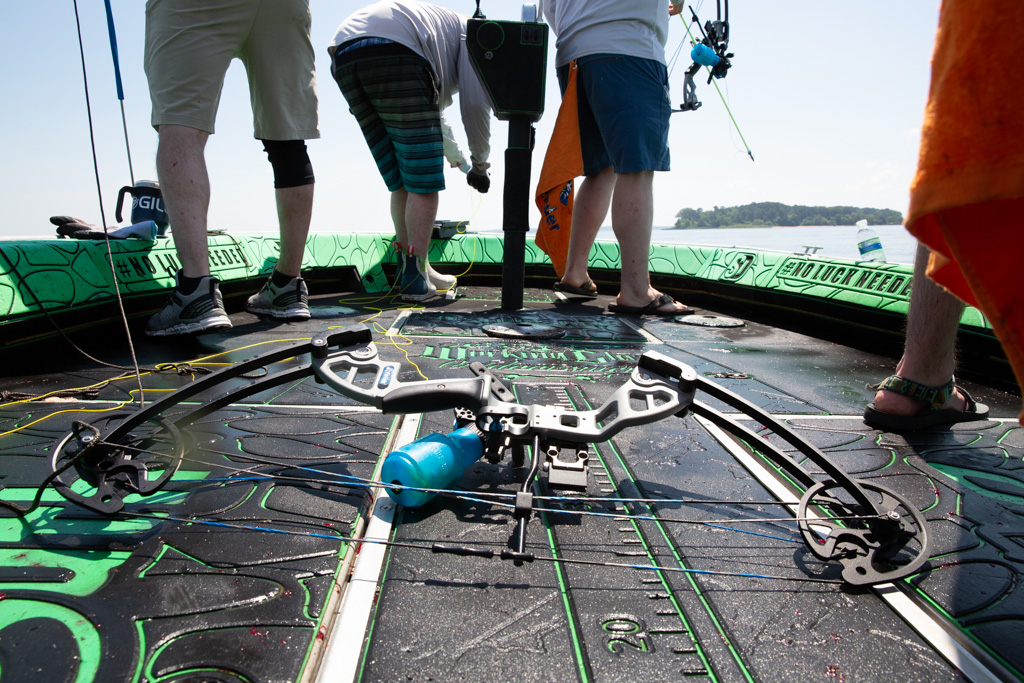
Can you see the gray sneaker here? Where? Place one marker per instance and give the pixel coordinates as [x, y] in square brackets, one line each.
[197, 313]
[290, 302]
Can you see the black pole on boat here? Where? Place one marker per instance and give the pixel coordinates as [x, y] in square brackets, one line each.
[511, 59]
[516, 211]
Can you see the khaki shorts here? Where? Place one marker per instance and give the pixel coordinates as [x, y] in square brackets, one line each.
[190, 43]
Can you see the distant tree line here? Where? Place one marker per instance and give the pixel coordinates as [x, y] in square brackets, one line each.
[769, 214]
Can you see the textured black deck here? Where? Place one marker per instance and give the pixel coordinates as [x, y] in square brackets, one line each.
[244, 604]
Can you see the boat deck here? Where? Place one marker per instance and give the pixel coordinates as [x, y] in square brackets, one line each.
[231, 569]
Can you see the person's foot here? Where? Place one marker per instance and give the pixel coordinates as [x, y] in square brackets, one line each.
[440, 281]
[905, 405]
[413, 282]
[197, 312]
[586, 288]
[895, 403]
[290, 301]
[667, 306]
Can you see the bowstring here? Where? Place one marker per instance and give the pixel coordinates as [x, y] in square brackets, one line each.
[494, 498]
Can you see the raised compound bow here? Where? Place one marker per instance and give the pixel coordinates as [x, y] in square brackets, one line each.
[712, 53]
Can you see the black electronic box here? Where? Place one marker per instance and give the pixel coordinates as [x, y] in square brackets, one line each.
[511, 58]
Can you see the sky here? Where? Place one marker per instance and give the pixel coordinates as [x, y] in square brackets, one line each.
[828, 94]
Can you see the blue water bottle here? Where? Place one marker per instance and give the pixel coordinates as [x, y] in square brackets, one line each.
[434, 462]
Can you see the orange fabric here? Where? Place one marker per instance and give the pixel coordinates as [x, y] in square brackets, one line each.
[972, 140]
[967, 198]
[563, 163]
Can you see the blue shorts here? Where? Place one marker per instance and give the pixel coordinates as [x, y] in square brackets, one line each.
[624, 112]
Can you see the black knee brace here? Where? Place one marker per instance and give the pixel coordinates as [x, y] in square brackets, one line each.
[291, 163]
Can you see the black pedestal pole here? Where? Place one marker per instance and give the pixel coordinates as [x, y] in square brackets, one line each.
[516, 211]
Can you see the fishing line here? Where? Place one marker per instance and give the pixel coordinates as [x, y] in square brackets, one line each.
[473, 551]
[91, 392]
[119, 405]
[88, 109]
[736, 146]
[675, 57]
[389, 295]
[20, 511]
[181, 368]
[476, 241]
[392, 342]
[664, 501]
[486, 498]
[699, 522]
[39, 304]
[333, 479]
[103, 219]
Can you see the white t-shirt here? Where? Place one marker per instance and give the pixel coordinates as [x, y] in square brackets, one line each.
[439, 36]
[638, 28]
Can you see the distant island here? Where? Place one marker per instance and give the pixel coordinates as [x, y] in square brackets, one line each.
[771, 214]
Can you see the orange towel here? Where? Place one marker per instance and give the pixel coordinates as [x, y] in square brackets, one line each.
[967, 199]
[563, 163]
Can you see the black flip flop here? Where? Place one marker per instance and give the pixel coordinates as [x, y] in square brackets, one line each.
[650, 309]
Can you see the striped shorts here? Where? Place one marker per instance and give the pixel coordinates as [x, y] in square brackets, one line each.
[391, 92]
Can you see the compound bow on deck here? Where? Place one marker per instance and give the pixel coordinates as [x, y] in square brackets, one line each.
[875, 535]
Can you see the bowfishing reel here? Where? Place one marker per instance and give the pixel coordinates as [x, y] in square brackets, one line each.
[711, 52]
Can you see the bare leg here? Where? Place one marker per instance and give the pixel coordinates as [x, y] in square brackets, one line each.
[929, 354]
[589, 210]
[294, 213]
[632, 219]
[420, 213]
[185, 185]
[399, 200]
